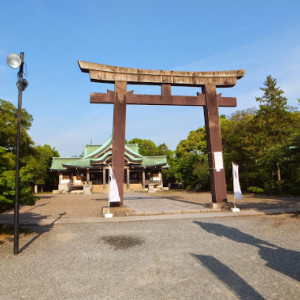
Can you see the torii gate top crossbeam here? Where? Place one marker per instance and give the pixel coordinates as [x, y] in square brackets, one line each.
[111, 74]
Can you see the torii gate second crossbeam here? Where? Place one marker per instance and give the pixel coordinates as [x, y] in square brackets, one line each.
[208, 81]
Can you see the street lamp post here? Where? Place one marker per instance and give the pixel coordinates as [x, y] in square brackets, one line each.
[15, 61]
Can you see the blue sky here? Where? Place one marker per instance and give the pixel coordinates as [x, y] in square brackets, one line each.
[262, 37]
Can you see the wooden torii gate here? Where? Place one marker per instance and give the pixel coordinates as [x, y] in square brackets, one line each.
[209, 99]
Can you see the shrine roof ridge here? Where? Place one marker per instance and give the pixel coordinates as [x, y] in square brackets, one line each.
[110, 74]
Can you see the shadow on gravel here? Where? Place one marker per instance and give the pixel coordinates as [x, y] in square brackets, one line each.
[279, 259]
[35, 206]
[100, 199]
[232, 280]
[140, 197]
[45, 196]
[268, 205]
[39, 230]
[180, 199]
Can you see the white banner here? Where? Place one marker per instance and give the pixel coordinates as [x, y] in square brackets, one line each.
[236, 182]
[113, 188]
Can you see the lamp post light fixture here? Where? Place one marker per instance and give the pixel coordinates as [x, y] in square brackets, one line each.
[15, 61]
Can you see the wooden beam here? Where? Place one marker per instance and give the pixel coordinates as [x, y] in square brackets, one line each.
[166, 89]
[111, 74]
[131, 98]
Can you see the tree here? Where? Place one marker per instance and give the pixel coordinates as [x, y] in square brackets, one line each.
[149, 148]
[146, 147]
[7, 181]
[264, 142]
[34, 162]
[190, 165]
[259, 141]
[275, 121]
[239, 147]
[8, 127]
[43, 157]
[273, 98]
[194, 144]
[274, 118]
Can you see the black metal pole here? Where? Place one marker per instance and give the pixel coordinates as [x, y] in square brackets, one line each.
[16, 207]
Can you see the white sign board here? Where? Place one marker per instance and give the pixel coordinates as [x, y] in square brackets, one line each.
[218, 161]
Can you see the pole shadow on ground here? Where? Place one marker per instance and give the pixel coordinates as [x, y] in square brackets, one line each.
[39, 230]
[277, 258]
[232, 280]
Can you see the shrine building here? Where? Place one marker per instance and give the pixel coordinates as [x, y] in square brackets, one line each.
[93, 169]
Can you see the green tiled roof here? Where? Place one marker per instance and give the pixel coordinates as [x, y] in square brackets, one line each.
[80, 163]
[133, 150]
[58, 162]
[154, 161]
[99, 154]
[100, 149]
[133, 147]
[88, 149]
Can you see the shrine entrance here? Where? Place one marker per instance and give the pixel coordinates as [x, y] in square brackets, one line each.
[209, 99]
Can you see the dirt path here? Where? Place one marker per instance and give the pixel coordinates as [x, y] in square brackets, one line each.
[248, 201]
[72, 206]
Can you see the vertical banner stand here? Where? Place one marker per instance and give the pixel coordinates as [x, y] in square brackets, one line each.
[236, 186]
[114, 195]
[234, 208]
[108, 215]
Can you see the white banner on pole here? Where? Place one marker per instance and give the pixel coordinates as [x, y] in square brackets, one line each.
[236, 182]
[113, 188]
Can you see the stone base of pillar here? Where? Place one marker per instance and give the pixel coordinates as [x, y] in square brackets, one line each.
[120, 211]
[151, 188]
[87, 189]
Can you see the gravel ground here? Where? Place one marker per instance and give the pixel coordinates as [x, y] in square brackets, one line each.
[197, 258]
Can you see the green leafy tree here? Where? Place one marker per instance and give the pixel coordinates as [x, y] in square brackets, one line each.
[264, 142]
[8, 127]
[239, 147]
[259, 141]
[43, 176]
[146, 147]
[8, 133]
[194, 144]
[34, 162]
[190, 165]
[149, 148]
[7, 181]
[275, 122]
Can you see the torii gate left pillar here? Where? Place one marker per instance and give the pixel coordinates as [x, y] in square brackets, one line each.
[118, 144]
[208, 81]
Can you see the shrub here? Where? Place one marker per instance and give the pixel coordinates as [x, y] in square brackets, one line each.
[294, 190]
[255, 190]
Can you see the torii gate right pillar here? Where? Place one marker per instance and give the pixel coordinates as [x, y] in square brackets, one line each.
[214, 144]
